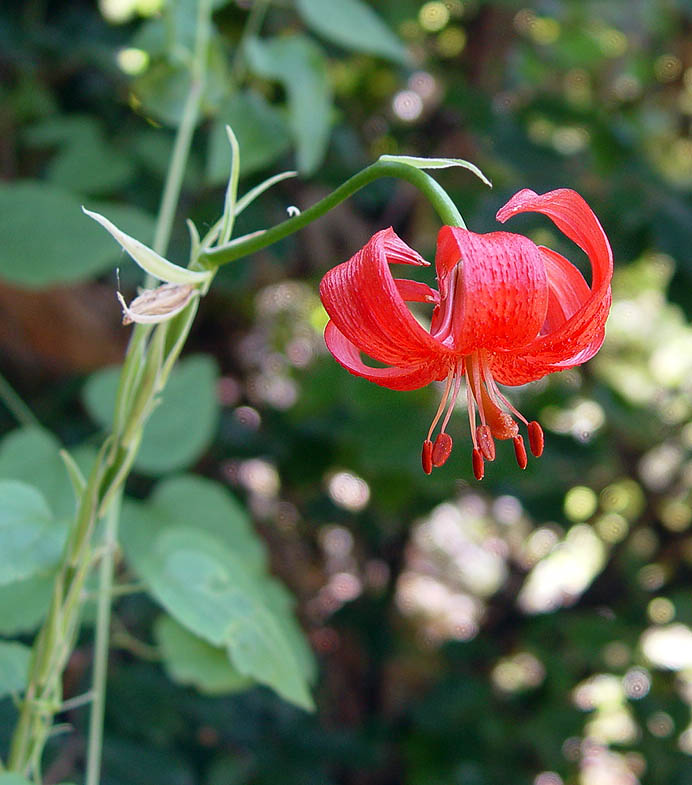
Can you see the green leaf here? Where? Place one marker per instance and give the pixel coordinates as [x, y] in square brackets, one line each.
[199, 571]
[183, 424]
[30, 539]
[436, 163]
[353, 25]
[163, 89]
[191, 660]
[84, 162]
[299, 64]
[14, 670]
[261, 131]
[32, 455]
[178, 501]
[24, 604]
[47, 240]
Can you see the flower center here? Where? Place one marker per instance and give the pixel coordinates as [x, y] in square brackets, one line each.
[495, 413]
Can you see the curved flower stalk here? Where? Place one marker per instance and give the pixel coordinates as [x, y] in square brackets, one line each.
[505, 311]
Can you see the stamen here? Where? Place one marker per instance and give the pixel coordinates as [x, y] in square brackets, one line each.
[441, 449]
[471, 405]
[453, 400]
[443, 402]
[476, 370]
[478, 468]
[536, 440]
[426, 457]
[520, 451]
[485, 442]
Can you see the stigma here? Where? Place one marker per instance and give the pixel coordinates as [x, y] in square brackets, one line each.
[495, 412]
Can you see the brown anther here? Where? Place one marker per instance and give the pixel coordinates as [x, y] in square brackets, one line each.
[536, 438]
[485, 442]
[478, 467]
[427, 456]
[520, 452]
[441, 449]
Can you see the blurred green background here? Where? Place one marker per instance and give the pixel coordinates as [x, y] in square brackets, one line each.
[532, 629]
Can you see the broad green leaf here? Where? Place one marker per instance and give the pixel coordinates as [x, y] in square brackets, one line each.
[23, 604]
[353, 25]
[197, 572]
[30, 539]
[183, 424]
[178, 501]
[436, 163]
[261, 131]
[32, 455]
[206, 587]
[84, 161]
[47, 240]
[299, 64]
[14, 669]
[191, 660]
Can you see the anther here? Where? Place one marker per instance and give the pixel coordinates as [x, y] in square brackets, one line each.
[441, 449]
[520, 452]
[478, 467]
[427, 456]
[535, 438]
[485, 442]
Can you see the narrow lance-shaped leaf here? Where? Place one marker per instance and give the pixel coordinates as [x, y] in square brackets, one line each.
[436, 163]
[149, 260]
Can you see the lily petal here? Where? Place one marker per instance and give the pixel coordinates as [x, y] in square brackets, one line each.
[502, 291]
[567, 289]
[580, 336]
[348, 355]
[365, 304]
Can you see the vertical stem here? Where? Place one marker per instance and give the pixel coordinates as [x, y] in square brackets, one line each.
[188, 122]
[164, 225]
[101, 645]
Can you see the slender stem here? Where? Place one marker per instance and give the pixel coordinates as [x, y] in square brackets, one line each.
[9, 396]
[183, 140]
[438, 197]
[164, 225]
[103, 620]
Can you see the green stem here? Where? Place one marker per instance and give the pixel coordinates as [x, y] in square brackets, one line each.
[103, 619]
[164, 224]
[434, 192]
[188, 122]
[15, 404]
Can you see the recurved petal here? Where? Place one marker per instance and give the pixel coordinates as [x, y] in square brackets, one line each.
[348, 355]
[572, 341]
[366, 304]
[567, 289]
[496, 297]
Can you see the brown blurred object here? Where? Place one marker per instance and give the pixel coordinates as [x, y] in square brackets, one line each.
[61, 330]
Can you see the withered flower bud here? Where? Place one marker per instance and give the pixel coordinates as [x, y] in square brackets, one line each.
[157, 305]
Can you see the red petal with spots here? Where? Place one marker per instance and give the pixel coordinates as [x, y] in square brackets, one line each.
[498, 295]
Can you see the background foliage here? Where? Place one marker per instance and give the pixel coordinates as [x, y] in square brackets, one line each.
[532, 629]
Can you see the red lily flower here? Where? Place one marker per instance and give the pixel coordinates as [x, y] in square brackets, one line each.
[507, 311]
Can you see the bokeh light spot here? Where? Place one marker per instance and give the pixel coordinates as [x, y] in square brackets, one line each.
[433, 16]
[580, 503]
